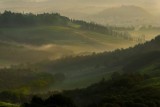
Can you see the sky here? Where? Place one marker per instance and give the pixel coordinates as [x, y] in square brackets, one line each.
[83, 6]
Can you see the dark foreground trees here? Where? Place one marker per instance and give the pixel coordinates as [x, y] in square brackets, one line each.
[126, 90]
[57, 100]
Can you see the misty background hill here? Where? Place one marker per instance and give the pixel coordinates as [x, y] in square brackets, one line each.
[123, 16]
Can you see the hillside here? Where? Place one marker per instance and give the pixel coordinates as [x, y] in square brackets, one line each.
[139, 87]
[128, 89]
[39, 46]
[51, 36]
[79, 53]
[127, 77]
[123, 16]
[122, 90]
[82, 71]
[125, 11]
[13, 53]
[85, 70]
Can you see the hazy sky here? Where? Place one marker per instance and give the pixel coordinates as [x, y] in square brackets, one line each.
[56, 5]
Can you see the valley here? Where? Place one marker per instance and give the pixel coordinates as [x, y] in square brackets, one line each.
[48, 59]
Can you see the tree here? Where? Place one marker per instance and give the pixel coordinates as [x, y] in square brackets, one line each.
[56, 100]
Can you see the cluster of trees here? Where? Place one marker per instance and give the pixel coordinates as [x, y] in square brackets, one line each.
[122, 90]
[10, 19]
[124, 32]
[142, 61]
[119, 57]
[129, 89]
[56, 100]
[129, 28]
[109, 30]
[92, 26]
[132, 28]
[24, 80]
[149, 27]
[14, 97]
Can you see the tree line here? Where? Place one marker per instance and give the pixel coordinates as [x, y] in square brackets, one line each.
[11, 19]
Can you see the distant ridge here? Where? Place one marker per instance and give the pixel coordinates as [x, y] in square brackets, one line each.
[125, 11]
[123, 15]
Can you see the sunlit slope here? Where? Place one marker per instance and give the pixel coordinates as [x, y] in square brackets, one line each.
[148, 33]
[13, 53]
[85, 70]
[60, 35]
[82, 71]
[55, 36]
[50, 42]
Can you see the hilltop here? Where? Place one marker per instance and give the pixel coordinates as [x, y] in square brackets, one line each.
[123, 16]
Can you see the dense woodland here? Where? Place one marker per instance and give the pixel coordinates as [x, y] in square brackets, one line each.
[122, 90]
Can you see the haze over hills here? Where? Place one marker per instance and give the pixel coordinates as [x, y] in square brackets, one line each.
[89, 69]
[46, 37]
[137, 84]
[133, 71]
[79, 53]
[125, 15]
[81, 8]
[52, 36]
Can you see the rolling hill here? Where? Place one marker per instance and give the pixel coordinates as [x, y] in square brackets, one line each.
[123, 16]
[127, 77]
[137, 86]
[85, 70]
[39, 43]
[33, 38]
[13, 53]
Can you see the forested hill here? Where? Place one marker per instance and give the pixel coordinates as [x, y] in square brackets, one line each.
[137, 86]
[86, 70]
[51, 36]
[117, 57]
[11, 19]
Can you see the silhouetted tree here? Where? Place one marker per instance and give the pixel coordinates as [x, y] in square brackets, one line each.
[57, 100]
